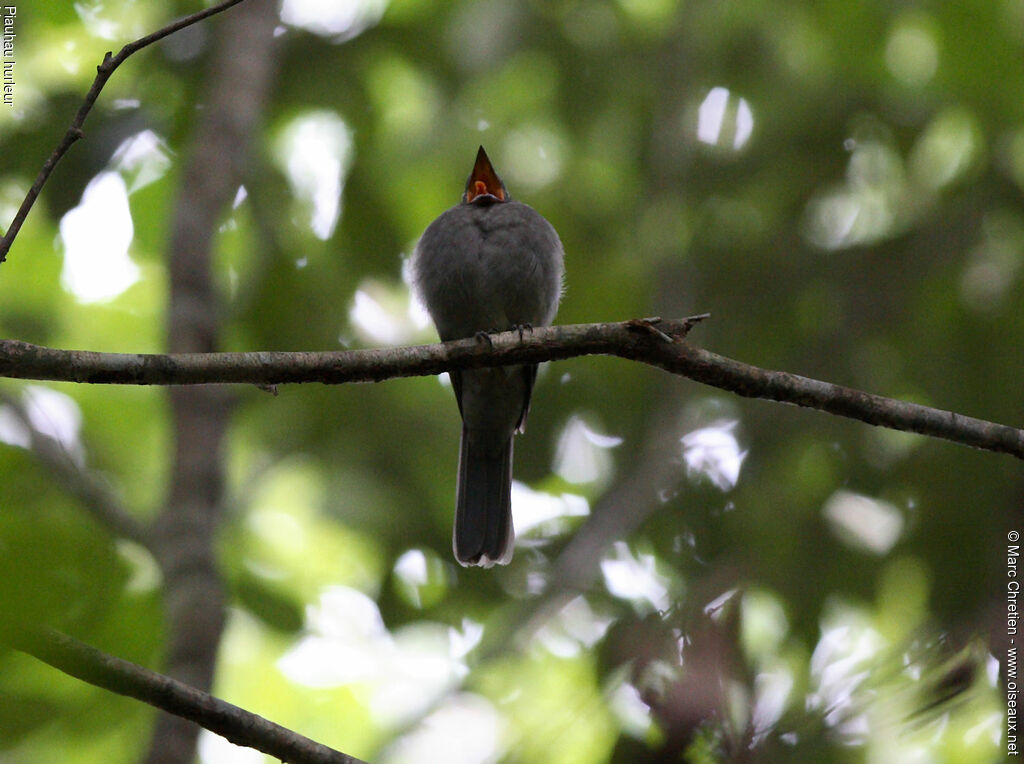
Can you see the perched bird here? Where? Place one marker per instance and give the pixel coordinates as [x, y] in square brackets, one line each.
[488, 264]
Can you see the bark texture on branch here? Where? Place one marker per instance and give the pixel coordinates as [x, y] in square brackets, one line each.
[97, 668]
[658, 342]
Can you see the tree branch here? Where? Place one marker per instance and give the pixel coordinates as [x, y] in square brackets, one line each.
[653, 341]
[95, 495]
[111, 673]
[74, 131]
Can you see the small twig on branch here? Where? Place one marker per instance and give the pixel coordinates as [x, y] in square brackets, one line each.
[74, 131]
[111, 673]
[638, 340]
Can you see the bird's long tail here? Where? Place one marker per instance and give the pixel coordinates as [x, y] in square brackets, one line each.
[483, 532]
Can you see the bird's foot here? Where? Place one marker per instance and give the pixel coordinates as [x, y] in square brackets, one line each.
[523, 329]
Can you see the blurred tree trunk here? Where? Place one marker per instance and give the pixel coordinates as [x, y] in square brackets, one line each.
[239, 79]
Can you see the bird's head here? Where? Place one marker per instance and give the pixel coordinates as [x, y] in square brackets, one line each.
[484, 186]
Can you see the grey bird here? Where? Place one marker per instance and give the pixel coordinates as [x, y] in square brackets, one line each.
[488, 264]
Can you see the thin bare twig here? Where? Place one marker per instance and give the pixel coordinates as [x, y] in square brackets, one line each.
[241, 727]
[630, 339]
[74, 131]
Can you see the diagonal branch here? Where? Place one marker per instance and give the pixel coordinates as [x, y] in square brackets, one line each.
[74, 131]
[239, 726]
[656, 342]
[95, 495]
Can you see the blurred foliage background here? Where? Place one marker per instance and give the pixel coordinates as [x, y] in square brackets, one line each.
[839, 184]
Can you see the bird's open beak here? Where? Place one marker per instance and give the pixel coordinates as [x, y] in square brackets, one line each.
[484, 184]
